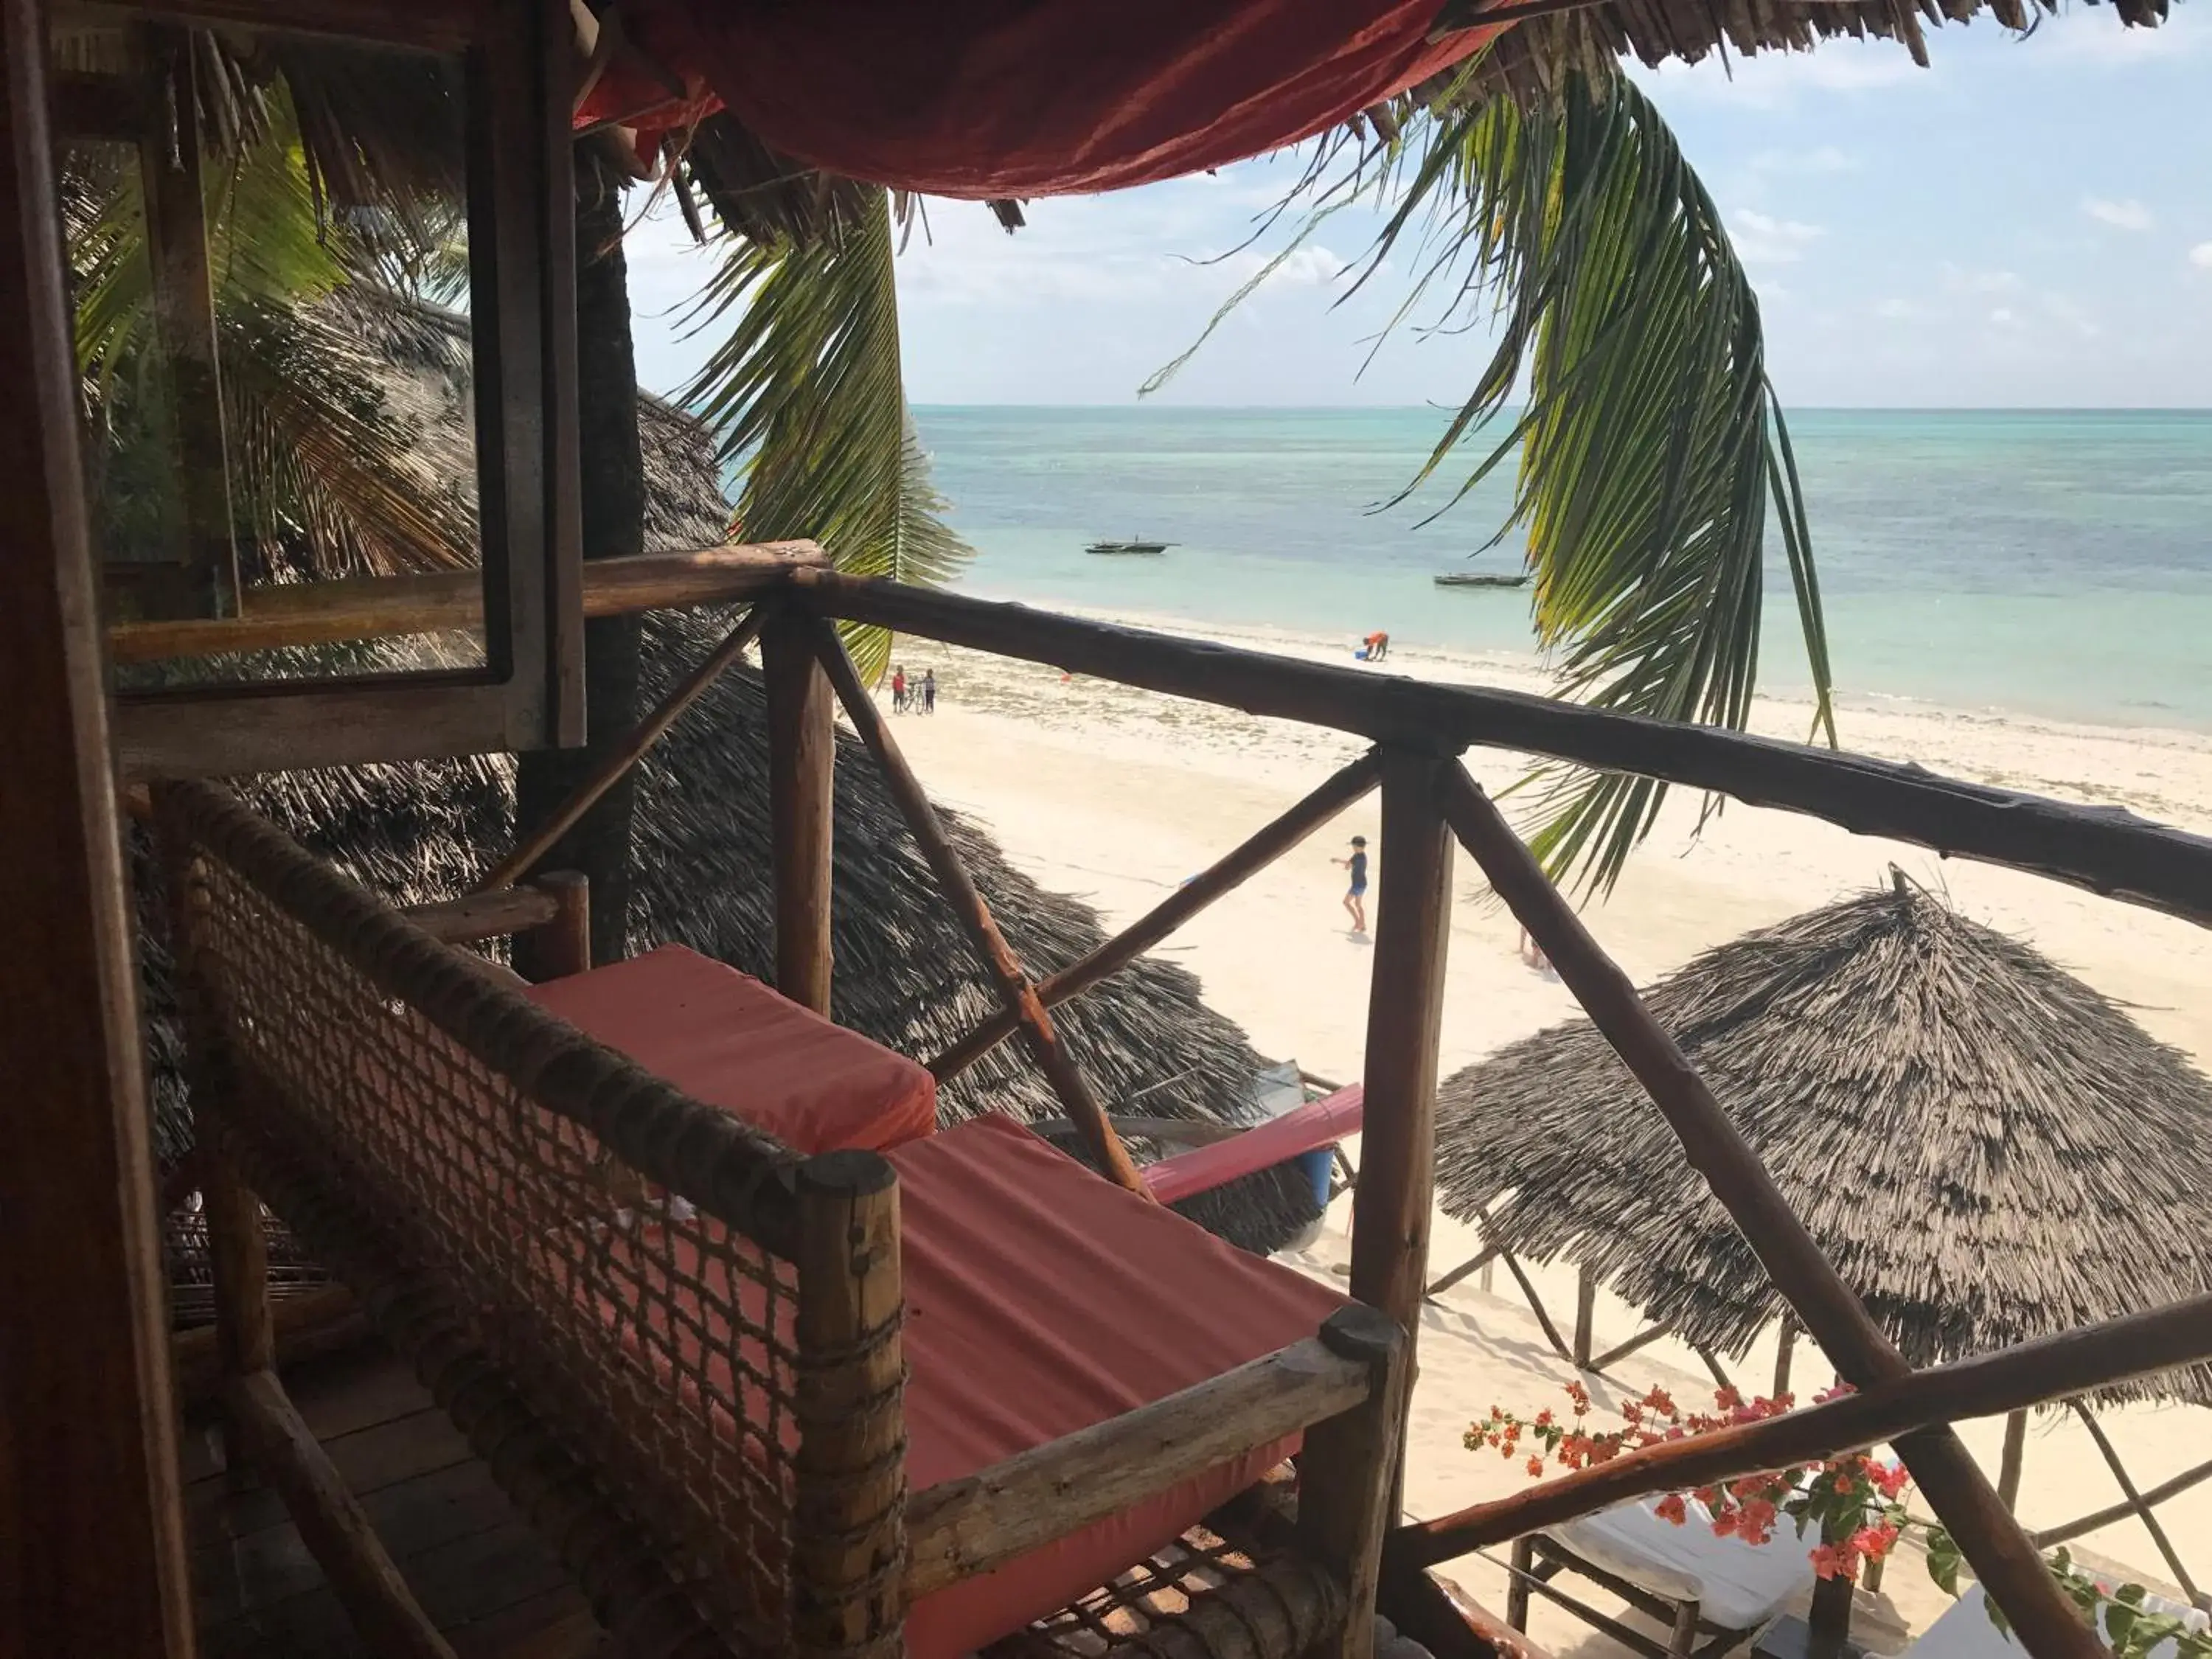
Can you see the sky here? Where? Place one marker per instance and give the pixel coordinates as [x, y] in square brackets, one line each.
[2027, 223]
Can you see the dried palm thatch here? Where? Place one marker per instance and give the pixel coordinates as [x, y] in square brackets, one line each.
[1987, 1149]
[1535, 56]
[906, 975]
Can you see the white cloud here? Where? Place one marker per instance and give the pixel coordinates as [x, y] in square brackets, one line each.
[2070, 313]
[2005, 316]
[2125, 215]
[1762, 239]
[2201, 256]
[1957, 279]
[1902, 311]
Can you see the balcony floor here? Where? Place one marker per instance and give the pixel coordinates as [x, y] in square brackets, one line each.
[479, 1570]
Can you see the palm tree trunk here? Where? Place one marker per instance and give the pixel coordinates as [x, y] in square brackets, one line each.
[612, 475]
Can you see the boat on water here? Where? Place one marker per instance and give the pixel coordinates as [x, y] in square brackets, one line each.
[1469, 579]
[1128, 547]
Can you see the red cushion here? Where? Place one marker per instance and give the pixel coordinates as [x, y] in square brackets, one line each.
[1042, 1299]
[1306, 1128]
[724, 1038]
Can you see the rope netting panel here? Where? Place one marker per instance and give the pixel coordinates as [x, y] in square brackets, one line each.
[636, 1303]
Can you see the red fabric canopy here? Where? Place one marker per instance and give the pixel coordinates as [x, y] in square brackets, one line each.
[1022, 98]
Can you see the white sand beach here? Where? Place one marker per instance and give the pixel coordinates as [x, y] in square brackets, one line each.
[1117, 795]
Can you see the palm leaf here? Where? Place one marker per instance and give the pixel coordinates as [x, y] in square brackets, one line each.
[1649, 446]
[805, 395]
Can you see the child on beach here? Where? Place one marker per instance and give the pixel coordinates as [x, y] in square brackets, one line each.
[898, 691]
[929, 691]
[1355, 898]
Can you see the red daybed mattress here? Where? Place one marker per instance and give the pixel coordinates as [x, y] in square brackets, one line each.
[1042, 1299]
[724, 1038]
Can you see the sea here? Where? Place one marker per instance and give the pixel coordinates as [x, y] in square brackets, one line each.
[2056, 564]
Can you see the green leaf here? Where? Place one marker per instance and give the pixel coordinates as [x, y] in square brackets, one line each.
[805, 393]
[1945, 1559]
[1649, 449]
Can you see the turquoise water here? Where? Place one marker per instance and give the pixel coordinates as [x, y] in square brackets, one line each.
[2056, 564]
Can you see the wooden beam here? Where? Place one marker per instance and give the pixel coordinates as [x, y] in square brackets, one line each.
[802, 774]
[184, 323]
[562, 947]
[847, 1534]
[1013, 985]
[478, 916]
[1348, 1473]
[92, 1546]
[1643, 1338]
[624, 755]
[2012, 1460]
[1392, 1206]
[2141, 1509]
[111, 108]
[316, 1322]
[1224, 878]
[2105, 849]
[320, 613]
[2050, 1536]
[1585, 1318]
[1831, 1312]
[331, 1522]
[2052, 1368]
[962, 1527]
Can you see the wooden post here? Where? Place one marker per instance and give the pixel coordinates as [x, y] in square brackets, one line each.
[2001, 1554]
[847, 1536]
[1784, 1343]
[563, 946]
[1585, 1318]
[1393, 1206]
[802, 757]
[2013, 1457]
[2143, 1512]
[1348, 1473]
[1224, 877]
[331, 1522]
[1015, 991]
[619, 759]
[184, 321]
[92, 1546]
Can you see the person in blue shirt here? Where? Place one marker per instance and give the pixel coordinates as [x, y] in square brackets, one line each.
[1355, 899]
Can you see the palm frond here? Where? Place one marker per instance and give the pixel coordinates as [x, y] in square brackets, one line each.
[1649, 446]
[805, 395]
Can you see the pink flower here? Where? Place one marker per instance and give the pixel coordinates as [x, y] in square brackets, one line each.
[1671, 1508]
[1535, 1466]
[1829, 1562]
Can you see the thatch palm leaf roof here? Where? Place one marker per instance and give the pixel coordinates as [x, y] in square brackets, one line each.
[1988, 1150]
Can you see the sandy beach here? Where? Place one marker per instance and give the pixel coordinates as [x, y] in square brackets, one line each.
[1117, 795]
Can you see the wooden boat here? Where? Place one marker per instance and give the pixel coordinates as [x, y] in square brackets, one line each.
[1147, 548]
[1469, 579]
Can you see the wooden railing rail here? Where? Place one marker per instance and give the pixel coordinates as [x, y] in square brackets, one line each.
[2000, 1553]
[967, 1526]
[541, 840]
[364, 608]
[1229, 872]
[2105, 849]
[2053, 1367]
[958, 887]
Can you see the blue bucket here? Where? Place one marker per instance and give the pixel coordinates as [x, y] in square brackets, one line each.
[1319, 1165]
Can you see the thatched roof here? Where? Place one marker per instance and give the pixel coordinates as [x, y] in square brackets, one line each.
[1538, 53]
[905, 973]
[1987, 1149]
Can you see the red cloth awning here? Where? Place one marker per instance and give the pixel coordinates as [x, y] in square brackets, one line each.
[1022, 98]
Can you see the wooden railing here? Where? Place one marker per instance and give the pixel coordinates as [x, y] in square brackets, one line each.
[1430, 805]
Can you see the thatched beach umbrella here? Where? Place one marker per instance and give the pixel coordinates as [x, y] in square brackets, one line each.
[906, 974]
[1987, 1149]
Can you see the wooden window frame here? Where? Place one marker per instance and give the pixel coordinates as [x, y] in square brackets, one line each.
[519, 62]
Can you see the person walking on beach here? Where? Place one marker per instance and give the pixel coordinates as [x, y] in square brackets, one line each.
[898, 691]
[1355, 897]
[929, 691]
